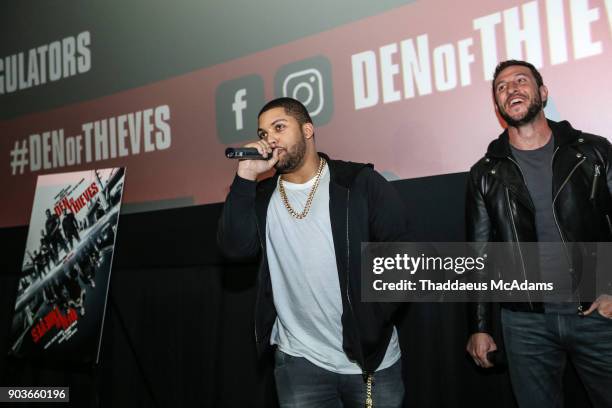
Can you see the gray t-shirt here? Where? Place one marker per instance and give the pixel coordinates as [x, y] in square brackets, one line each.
[305, 284]
[536, 166]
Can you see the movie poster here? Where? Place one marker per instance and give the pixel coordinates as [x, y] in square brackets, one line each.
[61, 296]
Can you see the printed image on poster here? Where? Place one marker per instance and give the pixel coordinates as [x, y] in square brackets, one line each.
[62, 292]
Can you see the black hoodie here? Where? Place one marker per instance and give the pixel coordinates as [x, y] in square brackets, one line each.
[363, 207]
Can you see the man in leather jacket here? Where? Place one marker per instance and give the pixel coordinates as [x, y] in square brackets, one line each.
[307, 223]
[543, 181]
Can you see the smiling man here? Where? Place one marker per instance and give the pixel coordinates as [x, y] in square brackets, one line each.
[543, 181]
[308, 222]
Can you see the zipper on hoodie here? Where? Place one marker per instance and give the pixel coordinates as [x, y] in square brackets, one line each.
[348, 265]
[368, 377]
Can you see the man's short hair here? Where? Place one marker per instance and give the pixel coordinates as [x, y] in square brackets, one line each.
[505, 64]
[292, 108]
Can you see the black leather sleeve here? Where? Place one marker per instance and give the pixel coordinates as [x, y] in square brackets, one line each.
[478, 231]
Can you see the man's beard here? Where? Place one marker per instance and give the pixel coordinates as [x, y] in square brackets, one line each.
[533, 110]
[293, 159]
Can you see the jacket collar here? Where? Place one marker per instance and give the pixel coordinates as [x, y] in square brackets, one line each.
[563, 134]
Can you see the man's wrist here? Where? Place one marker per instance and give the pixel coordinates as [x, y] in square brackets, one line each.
[247, 174]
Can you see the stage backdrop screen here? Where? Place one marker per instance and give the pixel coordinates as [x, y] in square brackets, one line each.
[164, 87]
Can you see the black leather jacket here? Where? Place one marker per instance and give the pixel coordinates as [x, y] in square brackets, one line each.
[499, 206]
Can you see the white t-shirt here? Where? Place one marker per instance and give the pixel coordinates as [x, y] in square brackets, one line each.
[305, 281]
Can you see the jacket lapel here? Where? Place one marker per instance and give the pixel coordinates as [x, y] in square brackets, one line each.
[511, 177]
[567, 156]
[507, 170]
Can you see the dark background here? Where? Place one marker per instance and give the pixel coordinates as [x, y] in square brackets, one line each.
[179, 328]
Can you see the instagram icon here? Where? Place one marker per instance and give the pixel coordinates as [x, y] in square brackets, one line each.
[308, 81]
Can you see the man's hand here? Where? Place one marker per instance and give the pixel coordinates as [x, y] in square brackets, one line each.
[478, 346]
[603, 304]
[250, 169]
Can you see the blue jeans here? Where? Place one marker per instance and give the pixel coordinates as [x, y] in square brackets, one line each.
[301, 384]
[538, 346]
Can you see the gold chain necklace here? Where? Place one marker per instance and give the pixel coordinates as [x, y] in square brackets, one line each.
[313, 190]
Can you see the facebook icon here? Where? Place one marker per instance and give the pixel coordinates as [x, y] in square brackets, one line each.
[237, 102]
[238, 106]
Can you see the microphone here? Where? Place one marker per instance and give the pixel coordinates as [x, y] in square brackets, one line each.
[244, 153]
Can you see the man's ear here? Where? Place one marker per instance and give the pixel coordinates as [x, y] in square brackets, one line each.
[544, 94]
[308, 130]
[495, 105]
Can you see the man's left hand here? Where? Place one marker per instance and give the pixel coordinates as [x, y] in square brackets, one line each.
[603, 304]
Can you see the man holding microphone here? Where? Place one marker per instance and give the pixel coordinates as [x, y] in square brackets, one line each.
[308, 222]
